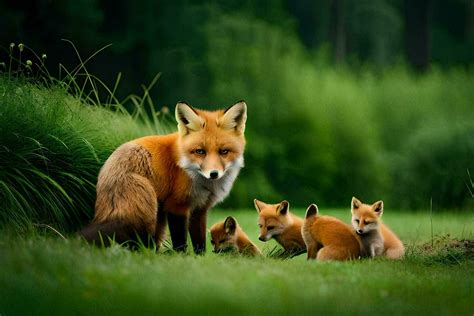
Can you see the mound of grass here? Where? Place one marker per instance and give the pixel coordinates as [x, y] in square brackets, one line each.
[445, 249]
[52, 147]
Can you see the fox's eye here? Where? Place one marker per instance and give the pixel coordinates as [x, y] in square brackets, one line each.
[357, 221]
[200, 151]
[260, 225]
[367, 222]
[270, 227]
[223, 152]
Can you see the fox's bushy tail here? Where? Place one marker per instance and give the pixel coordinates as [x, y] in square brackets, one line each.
[112, 230]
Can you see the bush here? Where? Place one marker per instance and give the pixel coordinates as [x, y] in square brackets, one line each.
[434, 166]
[53, 146]
[319, 134]
[308, 132]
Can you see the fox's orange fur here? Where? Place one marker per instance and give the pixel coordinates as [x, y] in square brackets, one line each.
[276, 221]
[328, 238]
[228, 235]
[174, 178]
[377, 239]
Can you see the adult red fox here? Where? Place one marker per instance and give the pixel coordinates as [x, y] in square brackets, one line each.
[151, 181]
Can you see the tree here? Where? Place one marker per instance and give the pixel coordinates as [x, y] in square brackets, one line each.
[417, 33]
[338, 30]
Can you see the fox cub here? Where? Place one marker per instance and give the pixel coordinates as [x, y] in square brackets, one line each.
[228, 236]
[275, 221]
[377, 239]
[328, 238]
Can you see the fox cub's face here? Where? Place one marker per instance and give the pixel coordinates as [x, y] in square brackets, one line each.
[273, 219]
[211, 143]
[224, 235]
[365, 218]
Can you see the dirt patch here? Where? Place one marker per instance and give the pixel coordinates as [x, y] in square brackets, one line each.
[446, 249]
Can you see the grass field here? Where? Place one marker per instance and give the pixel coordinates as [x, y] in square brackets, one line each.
[44, 274]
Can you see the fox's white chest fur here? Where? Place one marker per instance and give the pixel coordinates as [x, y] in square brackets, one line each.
[205, 193]
[373, 243]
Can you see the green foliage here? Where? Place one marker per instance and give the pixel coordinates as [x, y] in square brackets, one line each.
[53, 146]
[170, 37]
[435, 166]
[297, 114]
[324, 135]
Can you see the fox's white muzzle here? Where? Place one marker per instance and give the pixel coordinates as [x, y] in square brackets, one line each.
[212, 174]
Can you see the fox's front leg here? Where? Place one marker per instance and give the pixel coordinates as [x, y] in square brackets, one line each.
[178, 225]
[372, 251]
[160, 230]
[197, 230]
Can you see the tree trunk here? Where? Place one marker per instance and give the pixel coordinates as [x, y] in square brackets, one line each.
[417, 35]
[338, 30]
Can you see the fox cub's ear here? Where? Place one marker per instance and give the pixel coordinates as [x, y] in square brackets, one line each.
[188, 119]
[378, 208]
[230, 225]
[355, 203]
[283, 207]
[258, 205]
[312, 210]
[234, 117]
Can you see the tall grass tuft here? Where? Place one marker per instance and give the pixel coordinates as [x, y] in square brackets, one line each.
[54, 138]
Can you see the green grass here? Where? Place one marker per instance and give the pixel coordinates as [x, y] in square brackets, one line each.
[48, 275]
[56, 133]
[52, 147]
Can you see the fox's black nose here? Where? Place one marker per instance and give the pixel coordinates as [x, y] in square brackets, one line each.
[261, 238]
[360, 231]
[214, 174]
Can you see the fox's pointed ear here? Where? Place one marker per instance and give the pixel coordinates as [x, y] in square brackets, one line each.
[355, 204]
[259, 205]
[378, 208]
[230, 225]
[283, 207]
[188, 119]
[312, 210]
[234, 117]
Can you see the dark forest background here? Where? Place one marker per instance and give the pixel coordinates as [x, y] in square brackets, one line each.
[176, 37]
[365, 98]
